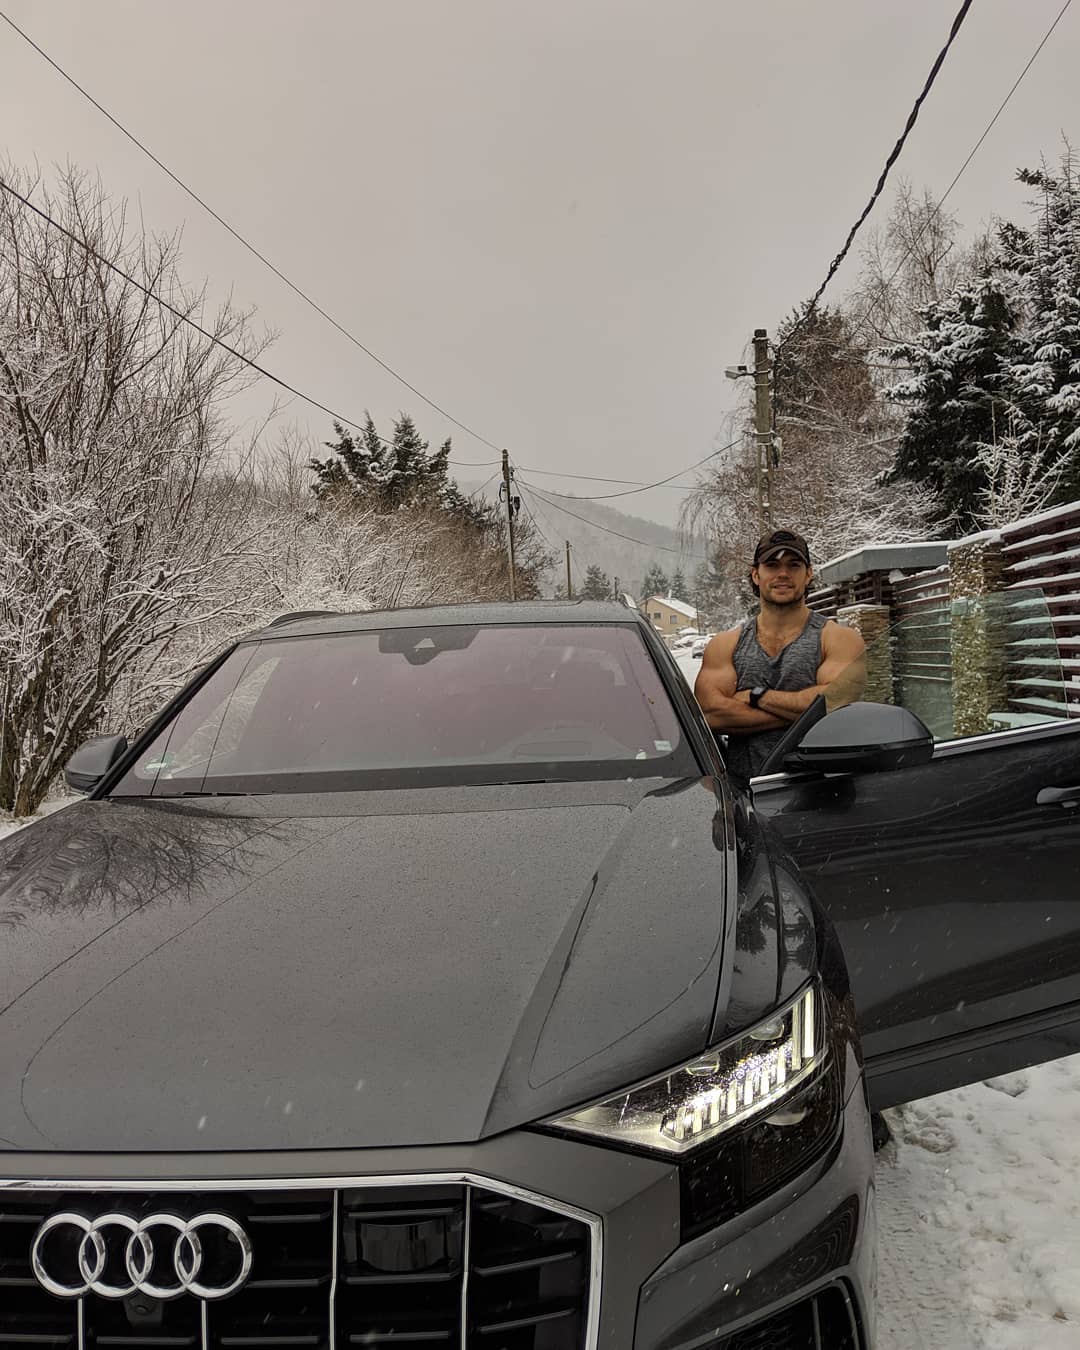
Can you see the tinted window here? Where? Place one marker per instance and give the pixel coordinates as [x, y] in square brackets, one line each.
[410, 707]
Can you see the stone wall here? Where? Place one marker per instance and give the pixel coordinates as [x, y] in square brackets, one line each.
[872, 621]
[979, 632]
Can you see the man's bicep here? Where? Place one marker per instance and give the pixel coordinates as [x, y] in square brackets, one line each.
[717, 674]
[845, 657]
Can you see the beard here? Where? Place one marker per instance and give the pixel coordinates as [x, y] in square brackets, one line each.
[787, 599]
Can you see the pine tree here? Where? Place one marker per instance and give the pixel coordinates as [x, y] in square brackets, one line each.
[678, 584]
[1045, 377]
[957, 397]
[597, 584]
[655, 582]
[357, 465]
[390, 475]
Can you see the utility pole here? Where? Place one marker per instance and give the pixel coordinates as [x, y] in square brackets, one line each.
[512, 504]
[615, 589]
[763, 426]
[569, 582]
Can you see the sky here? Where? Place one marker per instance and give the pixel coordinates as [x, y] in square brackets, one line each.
[560, 221]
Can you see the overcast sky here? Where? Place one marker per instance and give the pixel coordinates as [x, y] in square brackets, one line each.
[561, 220]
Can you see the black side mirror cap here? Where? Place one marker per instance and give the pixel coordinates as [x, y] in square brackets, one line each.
[92, 761]
[863, 738]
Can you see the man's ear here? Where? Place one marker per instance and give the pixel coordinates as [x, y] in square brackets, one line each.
[809, 574]
[754, 576]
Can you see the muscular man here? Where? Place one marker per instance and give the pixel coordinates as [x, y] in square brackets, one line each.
[757, 679]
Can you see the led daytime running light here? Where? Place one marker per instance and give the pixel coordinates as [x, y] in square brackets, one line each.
[716, 1091]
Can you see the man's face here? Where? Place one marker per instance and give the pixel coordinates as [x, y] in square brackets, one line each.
[783, 580]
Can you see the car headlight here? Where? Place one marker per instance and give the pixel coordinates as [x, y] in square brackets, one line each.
[717, 1091]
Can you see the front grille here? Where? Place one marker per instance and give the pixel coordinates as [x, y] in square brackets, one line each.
[406, 1266]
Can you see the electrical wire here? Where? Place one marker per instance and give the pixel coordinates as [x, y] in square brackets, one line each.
[894, 155]
[664, 548]
[645, 487]
[599, 478]
[575, 571]
[186, 318]
[860, 322]
[255, 252]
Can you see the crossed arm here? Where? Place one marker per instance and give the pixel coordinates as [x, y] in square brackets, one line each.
[840, 677]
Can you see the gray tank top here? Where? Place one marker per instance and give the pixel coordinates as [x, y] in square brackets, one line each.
[794, 668]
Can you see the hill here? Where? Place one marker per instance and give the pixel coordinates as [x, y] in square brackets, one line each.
[596, 540]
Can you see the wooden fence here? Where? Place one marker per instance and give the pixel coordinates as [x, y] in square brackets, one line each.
[1042, 579]
[1006, 605]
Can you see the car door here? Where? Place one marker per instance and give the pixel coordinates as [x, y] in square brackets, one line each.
[954, 886]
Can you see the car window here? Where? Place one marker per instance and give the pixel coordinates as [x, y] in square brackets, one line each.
[967, 667]
[416, 706]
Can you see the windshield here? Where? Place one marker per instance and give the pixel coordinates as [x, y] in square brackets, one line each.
[419, 707]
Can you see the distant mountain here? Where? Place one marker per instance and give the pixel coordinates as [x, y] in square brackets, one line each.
[592, 540]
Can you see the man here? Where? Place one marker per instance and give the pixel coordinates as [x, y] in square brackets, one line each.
[757, 679]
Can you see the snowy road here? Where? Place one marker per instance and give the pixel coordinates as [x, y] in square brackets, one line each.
[979, 1213]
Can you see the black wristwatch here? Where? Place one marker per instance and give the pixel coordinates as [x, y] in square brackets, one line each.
[757, 693]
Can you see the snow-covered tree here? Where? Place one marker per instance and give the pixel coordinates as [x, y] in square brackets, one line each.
[837, 443]
[1020, 479]
[957, 394]
[120, 522]
[597, 584]
[678, 584]
[1044, 379]
[655, 581]
[390, 474]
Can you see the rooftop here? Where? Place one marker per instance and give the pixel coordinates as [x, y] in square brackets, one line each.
[317, 622]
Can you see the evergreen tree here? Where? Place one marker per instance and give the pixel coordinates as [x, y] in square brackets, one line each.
[655, 582]
[391, 475]
[597, 584]
[1045, 376]
[357, 464]
[958, 396]
[678, 584]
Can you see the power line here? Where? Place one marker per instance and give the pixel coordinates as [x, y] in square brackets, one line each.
[598, 478]
[664, 548]
[894, 155]
[186, 318]
[255, 252]
[858, 323]
[645, 487]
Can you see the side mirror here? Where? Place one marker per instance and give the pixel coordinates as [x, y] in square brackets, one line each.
[92, 761]
[863, 738]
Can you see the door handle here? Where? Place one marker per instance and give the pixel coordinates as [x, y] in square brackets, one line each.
[1059, 796]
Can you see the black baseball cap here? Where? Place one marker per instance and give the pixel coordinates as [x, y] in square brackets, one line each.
[781, 541]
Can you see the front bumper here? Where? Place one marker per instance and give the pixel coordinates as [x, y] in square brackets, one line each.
[650, 1291]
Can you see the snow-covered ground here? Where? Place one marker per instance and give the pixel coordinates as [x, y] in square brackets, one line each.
[978, 1208]
[979, 1212]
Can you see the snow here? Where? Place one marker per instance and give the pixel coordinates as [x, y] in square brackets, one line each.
[979, 1216]
[978, 1210]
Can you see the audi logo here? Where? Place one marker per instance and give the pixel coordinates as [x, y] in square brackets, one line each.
[159, 1255]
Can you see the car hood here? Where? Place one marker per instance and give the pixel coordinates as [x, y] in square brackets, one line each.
[420, 967]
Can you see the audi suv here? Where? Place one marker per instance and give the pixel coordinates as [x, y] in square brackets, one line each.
[420, 979]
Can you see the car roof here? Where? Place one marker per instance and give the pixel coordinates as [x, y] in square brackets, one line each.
[313, 623]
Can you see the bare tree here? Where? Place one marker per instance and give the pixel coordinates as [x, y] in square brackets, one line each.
[829, 481]
[120, 521]
[915, 259]
[1021, 479]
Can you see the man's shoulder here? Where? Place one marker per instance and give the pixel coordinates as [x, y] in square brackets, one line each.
[722, 646]
[842, 636]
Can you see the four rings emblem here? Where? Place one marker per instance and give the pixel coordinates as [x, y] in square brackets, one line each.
[159, 1255]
